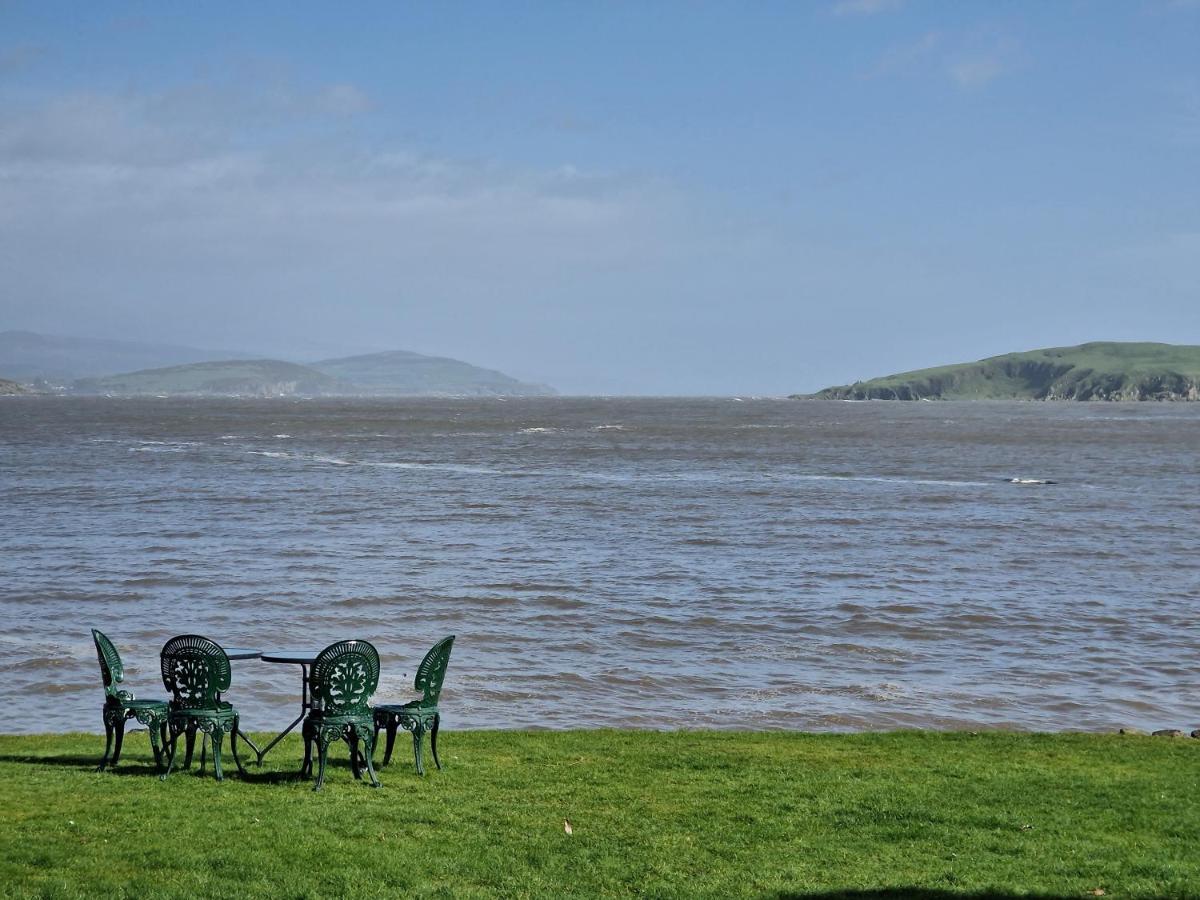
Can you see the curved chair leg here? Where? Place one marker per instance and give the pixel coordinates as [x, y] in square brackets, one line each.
[233, 746]
[391, 739]
[355, 765]
[171, 753]
[418, 735]
[203, 751]
[156, 746]
[369, 740]
[108, 740]
[437, 720]
[322, 754]
[119, 728]
[189, 744]
[217, 737]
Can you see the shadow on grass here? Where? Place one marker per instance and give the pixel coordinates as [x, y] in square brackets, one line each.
[147, 769]
[908, 893]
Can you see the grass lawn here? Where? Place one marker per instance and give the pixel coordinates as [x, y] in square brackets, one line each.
[674, 814]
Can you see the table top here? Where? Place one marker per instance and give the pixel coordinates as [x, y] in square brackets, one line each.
[241, 653]
[304, 657]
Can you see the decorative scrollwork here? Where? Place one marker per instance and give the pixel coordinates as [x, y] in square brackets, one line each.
[432, 671]
[419, 716]
[344, 677]
[195, 670]
[112, 672]
[149, 716]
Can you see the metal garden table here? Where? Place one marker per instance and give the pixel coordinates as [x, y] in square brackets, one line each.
[302, 658]
[235, 653]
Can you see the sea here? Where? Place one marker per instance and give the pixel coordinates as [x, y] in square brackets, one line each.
[731, 563]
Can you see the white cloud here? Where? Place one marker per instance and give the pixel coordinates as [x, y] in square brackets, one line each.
[976, 71]
[203, 215]
[907, 55]
[343, 100]
[864, 7]
[982, 59]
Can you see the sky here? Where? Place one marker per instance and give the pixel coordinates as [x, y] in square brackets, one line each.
[612, 198]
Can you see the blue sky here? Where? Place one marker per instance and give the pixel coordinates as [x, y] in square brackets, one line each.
[612, 198]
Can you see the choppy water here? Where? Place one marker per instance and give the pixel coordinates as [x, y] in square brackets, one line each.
[647, 563]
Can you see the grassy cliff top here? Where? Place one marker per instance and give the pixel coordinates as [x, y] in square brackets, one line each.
[1110, 357]
[1097, 370]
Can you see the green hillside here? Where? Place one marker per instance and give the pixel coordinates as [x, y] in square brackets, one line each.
[400, 372]
[84, 365]
[243, 378]
[1095, 371]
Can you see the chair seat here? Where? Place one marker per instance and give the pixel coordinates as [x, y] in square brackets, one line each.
[413, 706]
[145, 704]
[225, 712]
[319, 718]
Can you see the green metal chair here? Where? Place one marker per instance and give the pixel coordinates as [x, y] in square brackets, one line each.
[196, 672]
[418, 716]
[343, 679]
[120, 706]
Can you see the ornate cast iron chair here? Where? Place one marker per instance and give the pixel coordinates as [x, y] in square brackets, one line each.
[344, 676]
[196, 672]
[120, 706]
[418, 716]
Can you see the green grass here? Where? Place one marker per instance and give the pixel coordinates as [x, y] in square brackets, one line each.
[674, 814]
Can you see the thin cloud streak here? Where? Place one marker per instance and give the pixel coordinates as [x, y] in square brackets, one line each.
[177, 226]
[865, 7]
[982, 60]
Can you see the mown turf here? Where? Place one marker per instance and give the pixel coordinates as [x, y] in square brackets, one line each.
[676, 814]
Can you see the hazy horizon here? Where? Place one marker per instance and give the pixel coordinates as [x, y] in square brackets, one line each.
[213, 354]
[674, 200]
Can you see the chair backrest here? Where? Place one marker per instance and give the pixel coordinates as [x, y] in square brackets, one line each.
[195, 670]
[344, 677]
[432, 671]
[111, 670]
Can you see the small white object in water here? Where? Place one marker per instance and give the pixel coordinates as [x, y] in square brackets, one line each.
[1031, 481]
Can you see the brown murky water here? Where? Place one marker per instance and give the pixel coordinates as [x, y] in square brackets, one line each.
[643, 563]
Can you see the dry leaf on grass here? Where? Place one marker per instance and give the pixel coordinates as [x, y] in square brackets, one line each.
[567, 826]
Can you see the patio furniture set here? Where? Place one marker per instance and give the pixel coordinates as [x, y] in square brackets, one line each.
[337, 684]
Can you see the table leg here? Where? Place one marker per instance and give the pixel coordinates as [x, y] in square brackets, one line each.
[304, 707]
[253, 746]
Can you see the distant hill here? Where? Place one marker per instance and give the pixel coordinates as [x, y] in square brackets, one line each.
[1095, 371]
[399, 372]
[239, 378]
[10, 387]
[29, 357]
[84, 365]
